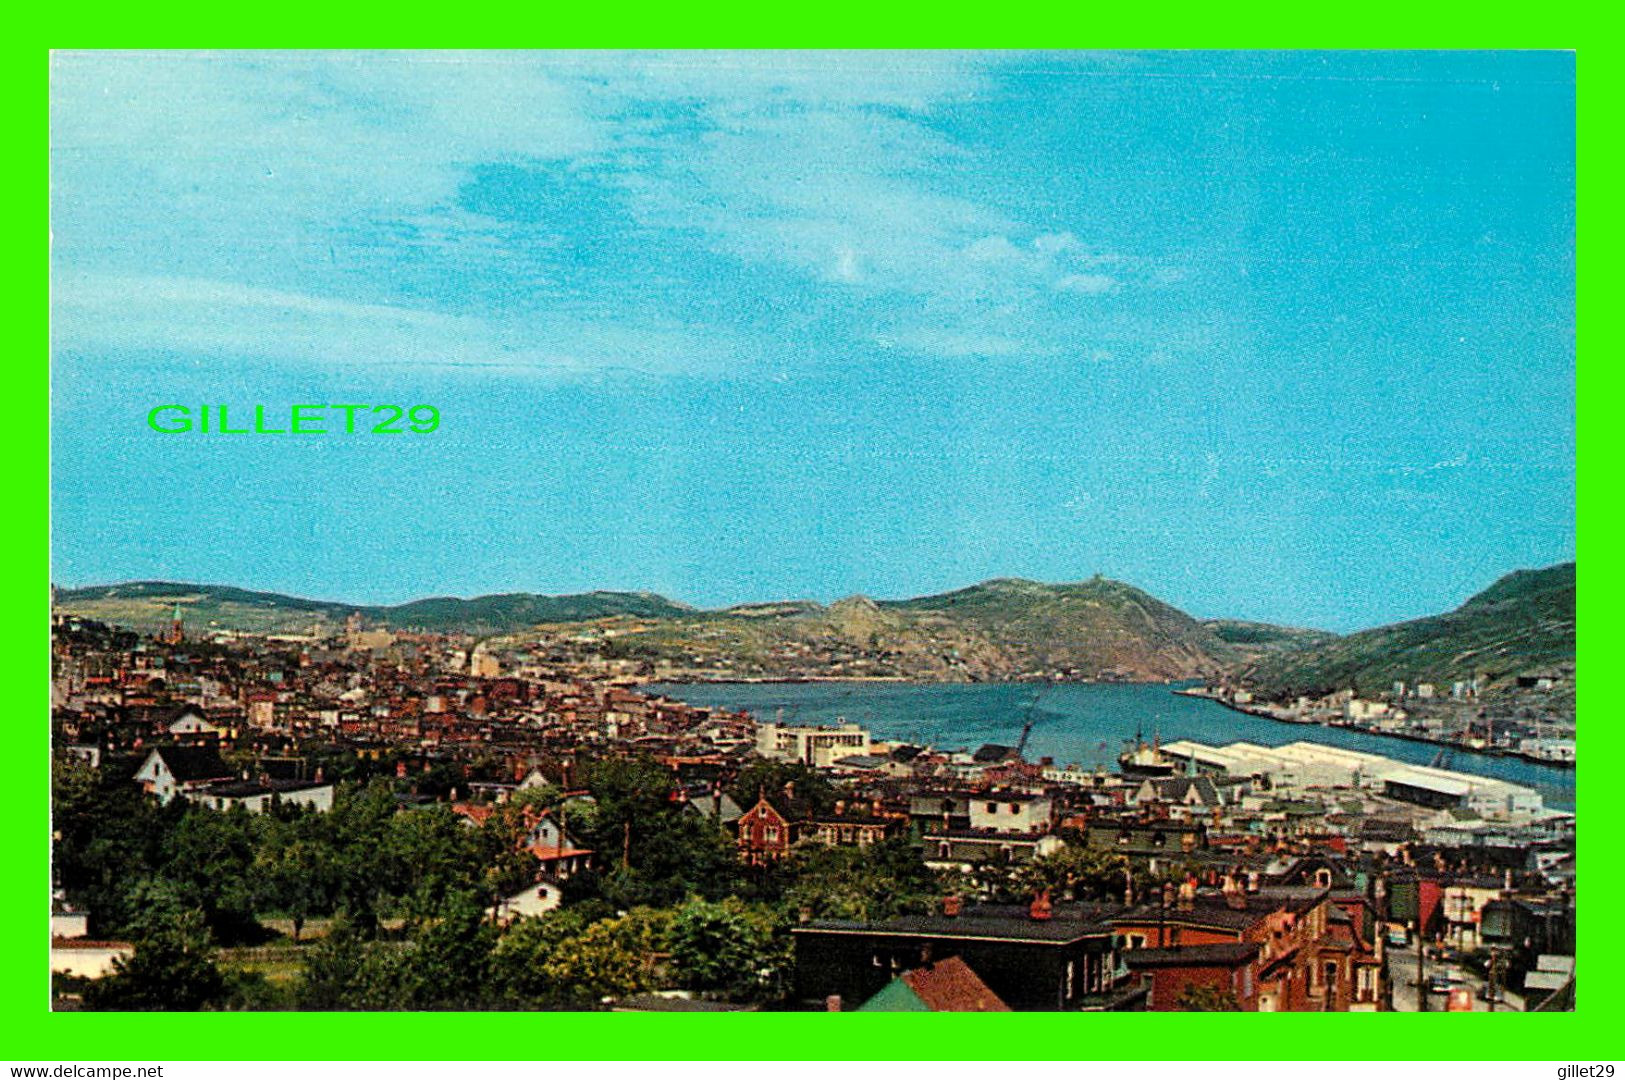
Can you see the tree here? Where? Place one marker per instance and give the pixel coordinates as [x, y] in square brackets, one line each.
[1075, 872]
[598, 963]
[105, 838]
[345, 970]
[729, 948]
[876, 882]
[568, 959]
[298, 876]
[812, 791]
[650, 851]
[448, 959]
[446, 963]
[173, 965]
[358, 826]
[431, 854]
[519, 960]
[210, 855]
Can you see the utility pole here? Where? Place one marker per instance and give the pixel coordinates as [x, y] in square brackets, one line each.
[626, 845]
[1421, 987]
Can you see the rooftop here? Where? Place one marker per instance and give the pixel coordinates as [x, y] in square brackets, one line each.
[1228, 954]
[988, 922]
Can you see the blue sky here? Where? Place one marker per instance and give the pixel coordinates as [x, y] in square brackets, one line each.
[1275, 336]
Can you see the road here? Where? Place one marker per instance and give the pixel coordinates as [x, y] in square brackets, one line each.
[1402, 973]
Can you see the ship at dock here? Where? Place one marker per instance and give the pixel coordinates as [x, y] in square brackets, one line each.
[1145, 761]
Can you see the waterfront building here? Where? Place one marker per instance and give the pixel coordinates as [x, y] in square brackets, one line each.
[1307, 764]
[817, 746]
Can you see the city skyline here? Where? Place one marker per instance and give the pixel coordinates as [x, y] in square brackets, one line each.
[1286, 337]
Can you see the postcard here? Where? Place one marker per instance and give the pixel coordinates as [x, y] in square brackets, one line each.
[820, 532]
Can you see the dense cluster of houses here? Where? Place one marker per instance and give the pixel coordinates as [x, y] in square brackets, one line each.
[1267, 947]
[1268, 879]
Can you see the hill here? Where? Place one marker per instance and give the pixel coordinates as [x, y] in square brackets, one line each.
[1001, 629]
[149, 605]
[1099, 627]
[1522, 624]
[1249, 643]
[1006, 628]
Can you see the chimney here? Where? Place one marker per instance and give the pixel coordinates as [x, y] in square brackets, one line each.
[832, 1003]
[1187, 894]
[1040, 910]
[951, 906]
[1252, 881]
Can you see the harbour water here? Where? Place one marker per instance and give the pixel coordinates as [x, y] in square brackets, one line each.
[1075, 723]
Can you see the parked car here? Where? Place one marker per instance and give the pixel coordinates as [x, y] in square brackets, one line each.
[1441, 982]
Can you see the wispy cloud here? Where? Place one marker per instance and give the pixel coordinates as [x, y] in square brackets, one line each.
[235, 322]
[280, 182]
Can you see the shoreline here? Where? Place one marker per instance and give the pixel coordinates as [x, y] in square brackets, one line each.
[897, 680]
[1267, 712]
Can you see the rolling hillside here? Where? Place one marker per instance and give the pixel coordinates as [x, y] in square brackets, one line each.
[1523, 623]
[149, 605]
[1000, 629]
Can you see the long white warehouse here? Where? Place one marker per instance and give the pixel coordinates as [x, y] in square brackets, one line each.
[1308, 764]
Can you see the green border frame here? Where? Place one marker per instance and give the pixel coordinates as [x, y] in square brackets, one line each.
[33, 1033]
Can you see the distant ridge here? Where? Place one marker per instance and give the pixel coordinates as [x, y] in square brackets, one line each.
[145, 605]
[1004, 628]
[999, 629]
[1521, 624]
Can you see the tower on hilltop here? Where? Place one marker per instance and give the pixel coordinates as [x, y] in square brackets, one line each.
[176, 632]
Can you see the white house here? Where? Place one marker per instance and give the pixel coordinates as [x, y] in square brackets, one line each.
[169, 771]
[190, 721]
[1011, 812]
[258, 796]
[531, 901]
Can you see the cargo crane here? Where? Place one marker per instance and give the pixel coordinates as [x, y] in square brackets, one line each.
[1030, 718]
